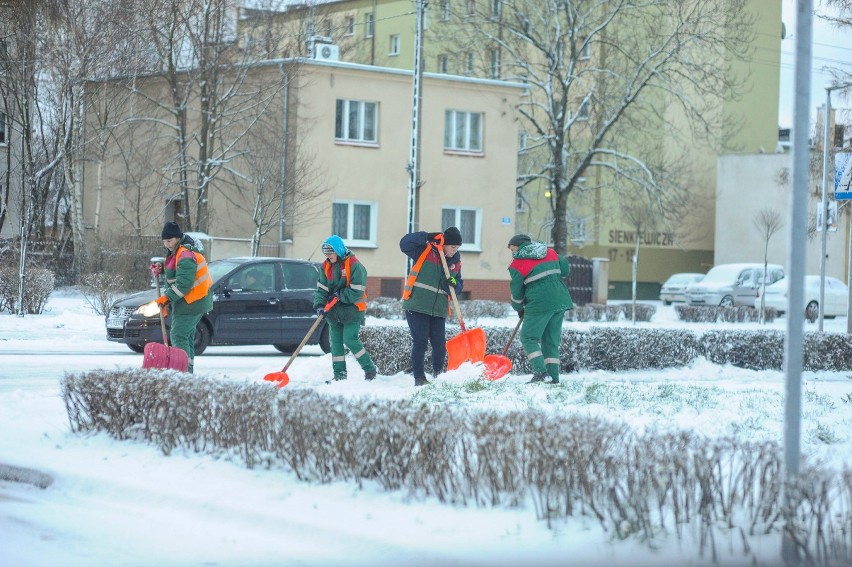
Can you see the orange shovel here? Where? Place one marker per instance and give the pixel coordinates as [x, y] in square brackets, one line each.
[498, 365]
[281, 377]
[469, 344]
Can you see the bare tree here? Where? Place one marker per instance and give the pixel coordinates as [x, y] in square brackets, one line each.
[607, 79]
[767, 222]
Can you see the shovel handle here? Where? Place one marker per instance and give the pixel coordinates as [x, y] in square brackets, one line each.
[512, 336]
[310, 332]
[160, 311]
[440, 239]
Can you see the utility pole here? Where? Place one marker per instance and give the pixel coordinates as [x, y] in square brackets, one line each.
[416, 105]
[793, 358]
[826, 168]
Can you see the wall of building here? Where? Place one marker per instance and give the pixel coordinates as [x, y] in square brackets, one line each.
[750, 183]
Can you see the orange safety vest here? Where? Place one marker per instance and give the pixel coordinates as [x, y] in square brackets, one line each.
[415, 271]
[329, 274]
[203, 281]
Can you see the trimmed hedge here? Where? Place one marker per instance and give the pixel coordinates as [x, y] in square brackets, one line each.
[627, 348]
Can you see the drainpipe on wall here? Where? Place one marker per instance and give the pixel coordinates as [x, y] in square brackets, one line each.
[283, 169]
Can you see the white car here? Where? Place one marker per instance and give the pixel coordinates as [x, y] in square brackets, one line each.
[674, 287]
[836, 297]
[728, 285]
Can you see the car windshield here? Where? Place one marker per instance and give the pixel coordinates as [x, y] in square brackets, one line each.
[683, 278]
[725, 274]
[219, 268]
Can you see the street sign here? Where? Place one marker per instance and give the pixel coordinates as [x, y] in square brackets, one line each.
[831, 224]
[843, 176]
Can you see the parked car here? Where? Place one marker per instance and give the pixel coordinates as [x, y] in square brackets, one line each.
[836, 297]
[675, 286]
[256, 301]
[728, 285]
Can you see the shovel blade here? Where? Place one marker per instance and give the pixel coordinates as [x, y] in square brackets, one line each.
[280, 378]
[496, 366]
[467, 345]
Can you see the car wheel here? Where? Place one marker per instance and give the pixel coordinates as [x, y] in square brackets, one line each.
[812, 311]
[286, 349]
[727, 301]
[202, 337]
[138, 349]
[324, 341]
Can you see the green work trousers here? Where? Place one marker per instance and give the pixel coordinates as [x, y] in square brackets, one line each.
[182, 334]
[541, 336]
[347, 334]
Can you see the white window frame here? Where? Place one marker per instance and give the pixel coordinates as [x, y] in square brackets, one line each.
[348, 238]
[476, 245]
[583, 111]
[523, 141]
[452, 123]
[443, 63]
[471, 7]
[361, 112]
[520, 202]
[495, 63]
[445, 10]
[468, 63]
[394, 45]
[496, 8]
[585, 51]
[350, 25]
[578, 231]
[369, 24]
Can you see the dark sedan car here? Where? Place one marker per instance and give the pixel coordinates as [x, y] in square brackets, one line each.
[256, 301]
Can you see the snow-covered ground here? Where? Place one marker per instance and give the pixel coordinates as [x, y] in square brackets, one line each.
[124, 503]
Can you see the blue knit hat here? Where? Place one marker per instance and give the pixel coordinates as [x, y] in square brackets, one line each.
[334, 244]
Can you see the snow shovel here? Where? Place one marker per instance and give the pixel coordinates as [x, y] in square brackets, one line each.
[498, 365]
[163, 356]
[469, 344]
[281, 377]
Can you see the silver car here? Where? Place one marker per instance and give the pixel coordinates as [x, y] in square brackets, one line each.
[675, 286]
[728, 285]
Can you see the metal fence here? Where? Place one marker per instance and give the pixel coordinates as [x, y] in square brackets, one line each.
[579, 280]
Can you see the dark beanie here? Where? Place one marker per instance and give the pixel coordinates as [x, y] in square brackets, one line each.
[519, 240]
[171, 230]
[452, 236]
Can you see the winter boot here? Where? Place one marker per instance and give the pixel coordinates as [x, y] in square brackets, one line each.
[369, 375]
[420, 381]
[538, 377]
[340, 376]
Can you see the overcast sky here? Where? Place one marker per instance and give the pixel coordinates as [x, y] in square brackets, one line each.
[832, 48]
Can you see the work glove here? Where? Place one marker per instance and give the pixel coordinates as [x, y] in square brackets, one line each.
[453, 281]
[162, 300]
[520, 313]
[156, 268]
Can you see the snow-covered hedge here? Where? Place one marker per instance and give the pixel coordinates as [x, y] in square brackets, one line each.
[716, 314]
[648, 486]
[629, 348]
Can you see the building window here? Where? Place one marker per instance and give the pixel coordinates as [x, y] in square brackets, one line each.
[356, 121]
[445, 10]
[585, 49]
[583, 111]
[350, 25]
[520, 203]
[496, 6]
[469, 223]
[355, 222]
[471, 7]
[368, 24]
[578, 231]
[394, 44]
[523, 141]
[495, 63]
[468, 63]
[329, 28]
[463, 131]
[443, 64]
[3, 139]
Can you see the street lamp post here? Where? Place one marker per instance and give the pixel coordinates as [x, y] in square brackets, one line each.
[824, 200]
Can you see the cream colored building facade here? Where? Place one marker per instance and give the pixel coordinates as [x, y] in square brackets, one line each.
[353, 123]
[381, 32]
